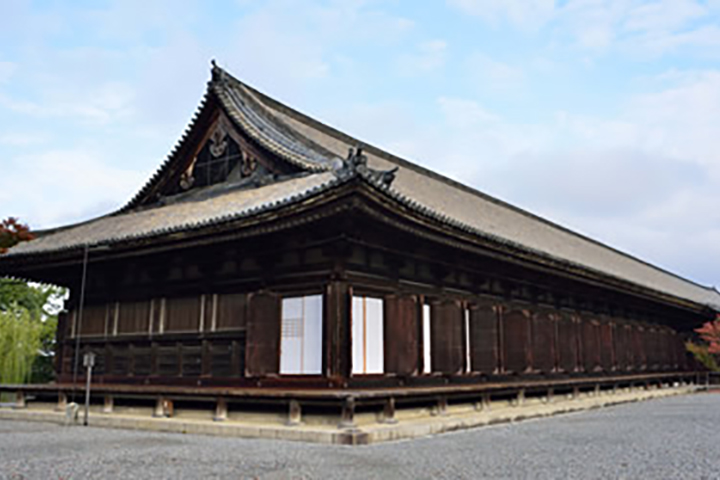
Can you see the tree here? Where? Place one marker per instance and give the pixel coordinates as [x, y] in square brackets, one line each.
[13, 232]
[28, 319]
[707, 352]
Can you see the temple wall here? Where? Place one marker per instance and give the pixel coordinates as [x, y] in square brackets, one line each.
[236, 338]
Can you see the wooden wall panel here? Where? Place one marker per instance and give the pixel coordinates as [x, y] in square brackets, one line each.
[401, 351]
[231, 312]
[182, 314]
[191, 359]
[630, 354]
[607, 346]
[590, 344]
[446, 337]
[120, 360]
[638, 348]
[168, 362]
[68, 360]
[567, 344]
[681, 353]
[93, 320]
[621, 347]
[543, 342]
[671, 351]
[142, 360]
[133, 317]
[484, 338]
[221, 359]
[652, 347]
[516, 340]
[262, 353]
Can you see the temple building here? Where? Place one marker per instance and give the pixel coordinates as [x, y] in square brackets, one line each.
[272, 257]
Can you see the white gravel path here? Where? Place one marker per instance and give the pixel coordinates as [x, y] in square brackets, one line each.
[677, 437]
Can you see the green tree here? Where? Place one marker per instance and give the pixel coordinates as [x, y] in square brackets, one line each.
[28, 319]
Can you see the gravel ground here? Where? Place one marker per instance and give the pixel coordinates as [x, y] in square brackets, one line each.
[675, 437]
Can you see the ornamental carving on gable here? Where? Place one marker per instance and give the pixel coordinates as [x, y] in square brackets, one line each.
[218, 141]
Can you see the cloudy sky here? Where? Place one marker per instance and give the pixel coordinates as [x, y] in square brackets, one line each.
[602, 115]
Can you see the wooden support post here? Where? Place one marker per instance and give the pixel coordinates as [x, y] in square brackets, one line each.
[389, 411]
[159, 410]
[108, 404]
[520, 400]
[20, 399]
[221, 410]
[294, 413]
[486, 401]
[347, 419]
[615, 388]
[163, 407]
[62, 402]
[597, 389]
[442, 405]
[337, 345]
[550, 394]
[576, 393]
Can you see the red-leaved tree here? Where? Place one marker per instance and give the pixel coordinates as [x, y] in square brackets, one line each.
[708, 352]
[13, 232]
[710, 333]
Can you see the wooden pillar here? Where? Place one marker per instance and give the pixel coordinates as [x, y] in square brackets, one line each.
[336, 343]
[483, 404]
[347, 419]
[550, 394]
[294, 413]
[221, 410]
[576, 393]
[108, 404]
[20, 399]
[520, 399]
[389, 411]
[62, 402]
[163, 407]
[442, 405]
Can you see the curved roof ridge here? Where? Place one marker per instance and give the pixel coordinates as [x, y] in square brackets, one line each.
[329, 130]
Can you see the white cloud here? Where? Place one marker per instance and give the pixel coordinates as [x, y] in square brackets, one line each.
[492, 73]
[430, 56]
[629, 26]
[67, 186]
[105, 103]
[22, 139]
[523, 13]
[463, 113]
[6, 71]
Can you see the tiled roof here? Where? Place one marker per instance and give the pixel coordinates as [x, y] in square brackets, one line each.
[317, 148]
[489, 215]
[186, 215]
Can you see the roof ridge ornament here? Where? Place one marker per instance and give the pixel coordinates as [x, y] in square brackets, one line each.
[356, 164]
[219, 76]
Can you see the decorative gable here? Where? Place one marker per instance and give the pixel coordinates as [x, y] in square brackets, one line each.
[222, 155]
[219, 160]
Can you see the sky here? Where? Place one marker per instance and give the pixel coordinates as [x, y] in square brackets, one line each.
[600, 115]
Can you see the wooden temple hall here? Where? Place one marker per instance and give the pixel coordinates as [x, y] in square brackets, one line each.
[275, 262]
